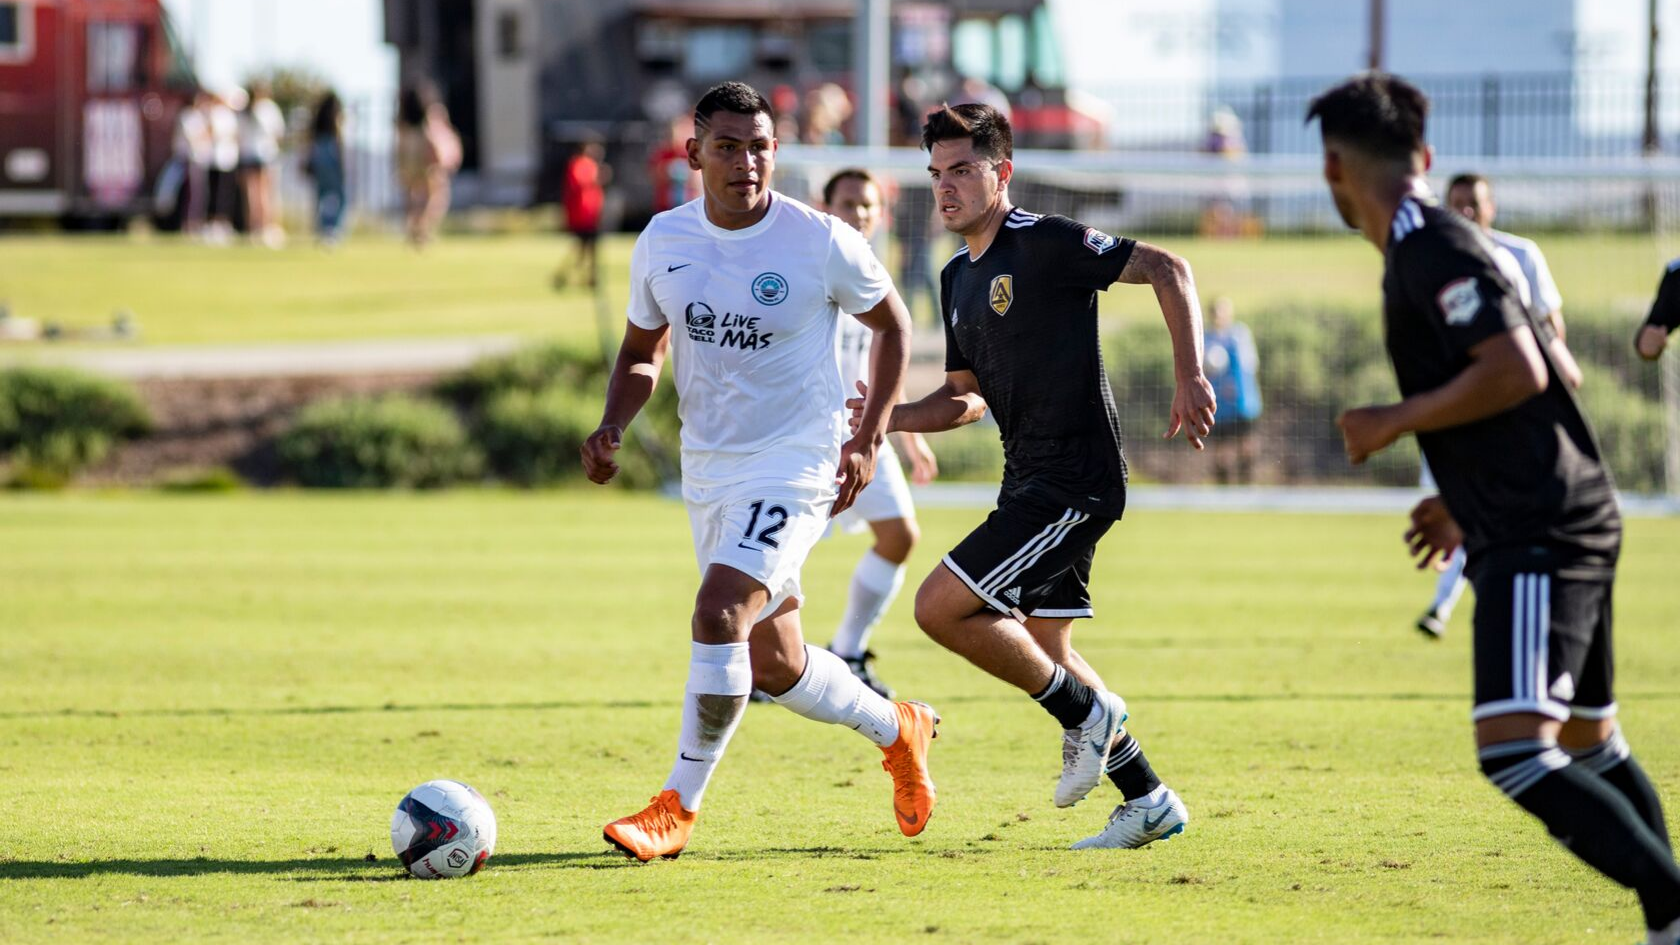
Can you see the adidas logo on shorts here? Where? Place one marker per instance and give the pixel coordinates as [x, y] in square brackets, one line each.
[1013, 595]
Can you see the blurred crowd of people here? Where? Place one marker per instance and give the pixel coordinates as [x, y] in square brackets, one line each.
[223, 178]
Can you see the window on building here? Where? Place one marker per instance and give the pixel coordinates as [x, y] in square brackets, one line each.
[510, 41]
[717, 52]
[15, 33]
[113, 57]
[829, 43]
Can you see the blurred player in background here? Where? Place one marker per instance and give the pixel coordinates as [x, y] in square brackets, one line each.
[884, 505]
[1019, 302]
[1471, 196]
[1233, 368]
[1523, 489]
[583, 193]
[1664, 317]
[747, 288]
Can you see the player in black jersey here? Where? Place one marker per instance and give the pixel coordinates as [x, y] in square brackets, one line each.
[1664, 317]
[1522, 487]
[1020, 310]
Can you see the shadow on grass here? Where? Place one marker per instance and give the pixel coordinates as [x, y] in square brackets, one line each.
[349, 869]
[580, 704]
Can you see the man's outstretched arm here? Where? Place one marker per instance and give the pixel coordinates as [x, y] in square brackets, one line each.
[634, 376]
[1175, 288]
[956, 403]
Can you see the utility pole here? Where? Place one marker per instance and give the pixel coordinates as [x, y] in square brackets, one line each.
[1374, 60]
[870, 54]
[1653, 140]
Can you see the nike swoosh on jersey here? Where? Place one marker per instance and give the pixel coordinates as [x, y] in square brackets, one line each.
[675, 268]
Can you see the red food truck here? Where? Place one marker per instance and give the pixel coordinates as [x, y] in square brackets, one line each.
[89, 92]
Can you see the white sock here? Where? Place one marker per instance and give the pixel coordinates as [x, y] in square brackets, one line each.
[1154, 798]
[719, 680]
[875, 583]
[1450, 585]
[828, 692]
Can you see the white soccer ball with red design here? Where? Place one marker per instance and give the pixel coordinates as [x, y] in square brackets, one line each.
[443, 829]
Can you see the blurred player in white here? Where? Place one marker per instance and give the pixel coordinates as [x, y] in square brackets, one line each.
[884, 505]
[1471, 196]
[747, 288]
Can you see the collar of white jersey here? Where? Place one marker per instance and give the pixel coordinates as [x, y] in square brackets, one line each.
[718, 232]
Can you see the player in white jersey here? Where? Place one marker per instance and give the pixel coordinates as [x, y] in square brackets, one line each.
[1522, 262]
[746, 289]
[884, 506]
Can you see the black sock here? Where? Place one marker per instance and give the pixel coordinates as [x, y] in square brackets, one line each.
[1066, 698]
[1129, 769]
[1591, 819]
[1613, 761]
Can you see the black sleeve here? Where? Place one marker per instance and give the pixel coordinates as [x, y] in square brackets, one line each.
[1665, 310]
[954, 358]
[1080, 255]
[1452, 279]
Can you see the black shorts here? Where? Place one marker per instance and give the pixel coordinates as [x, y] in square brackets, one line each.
[1542, 644]
[1031, 557]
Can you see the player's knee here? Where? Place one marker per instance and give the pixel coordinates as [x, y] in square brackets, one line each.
[719, 619]
[896, 538]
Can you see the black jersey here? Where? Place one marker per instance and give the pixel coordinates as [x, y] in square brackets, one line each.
[1665, 310]
[1023, 318]
[1525, 479]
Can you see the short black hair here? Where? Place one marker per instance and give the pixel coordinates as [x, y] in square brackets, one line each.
[984, 125]
[737, 97]
[850, 173]
[1378, 113]
[1469, 180]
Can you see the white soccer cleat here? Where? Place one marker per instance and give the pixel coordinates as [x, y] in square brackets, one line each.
[1668, 936]
[1085, 750]
[1132, 825]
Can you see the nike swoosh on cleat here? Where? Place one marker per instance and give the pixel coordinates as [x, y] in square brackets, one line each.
[907, 818]
[675, 268]
[1149, 825]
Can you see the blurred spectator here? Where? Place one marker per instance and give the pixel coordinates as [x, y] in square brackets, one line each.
[1233, 368]
[673, 180]
[975, 90]
[324, 163]
[223, 119]
[785, 102]
[192, 146]
[261, 126]
[910, 106]
[827, 108]
[583, 192]
[1225, 134]
[428, 152]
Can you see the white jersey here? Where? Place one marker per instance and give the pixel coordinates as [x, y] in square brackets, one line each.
[1543, 292]
[754, 316]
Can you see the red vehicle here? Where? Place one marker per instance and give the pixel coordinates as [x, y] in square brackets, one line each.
[89, 91]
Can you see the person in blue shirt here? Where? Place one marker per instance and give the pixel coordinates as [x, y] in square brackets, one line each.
[1232, 366]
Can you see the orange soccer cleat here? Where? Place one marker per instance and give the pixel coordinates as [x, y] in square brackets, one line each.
[906, 761]
[660, 829]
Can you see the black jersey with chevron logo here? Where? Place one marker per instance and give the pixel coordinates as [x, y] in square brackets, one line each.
[1023, 318]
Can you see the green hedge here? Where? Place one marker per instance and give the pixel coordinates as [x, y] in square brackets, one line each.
[378, 442]
[533, 438]
[56, 421]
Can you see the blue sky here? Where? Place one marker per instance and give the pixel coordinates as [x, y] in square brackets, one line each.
[341, 39]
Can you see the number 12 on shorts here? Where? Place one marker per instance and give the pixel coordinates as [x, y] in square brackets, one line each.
[766, 536]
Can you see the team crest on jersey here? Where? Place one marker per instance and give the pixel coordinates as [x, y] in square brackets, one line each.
[1460, 301]
[1001, 293]
[770, 288]
[1099, 242]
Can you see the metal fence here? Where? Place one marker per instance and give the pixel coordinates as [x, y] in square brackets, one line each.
[1571, 114]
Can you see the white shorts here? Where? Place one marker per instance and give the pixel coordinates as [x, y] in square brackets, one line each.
[765, 532]
[886, 497]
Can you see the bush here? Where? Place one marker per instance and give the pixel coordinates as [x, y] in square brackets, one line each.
[1630, 433]
[363, 443]
[55, 421]
[534, 439]
[531, 370]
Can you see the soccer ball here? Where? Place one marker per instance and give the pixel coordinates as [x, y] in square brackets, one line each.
[443, 829]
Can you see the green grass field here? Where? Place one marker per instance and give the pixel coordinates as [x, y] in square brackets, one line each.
[377, 287]
[213, 703]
